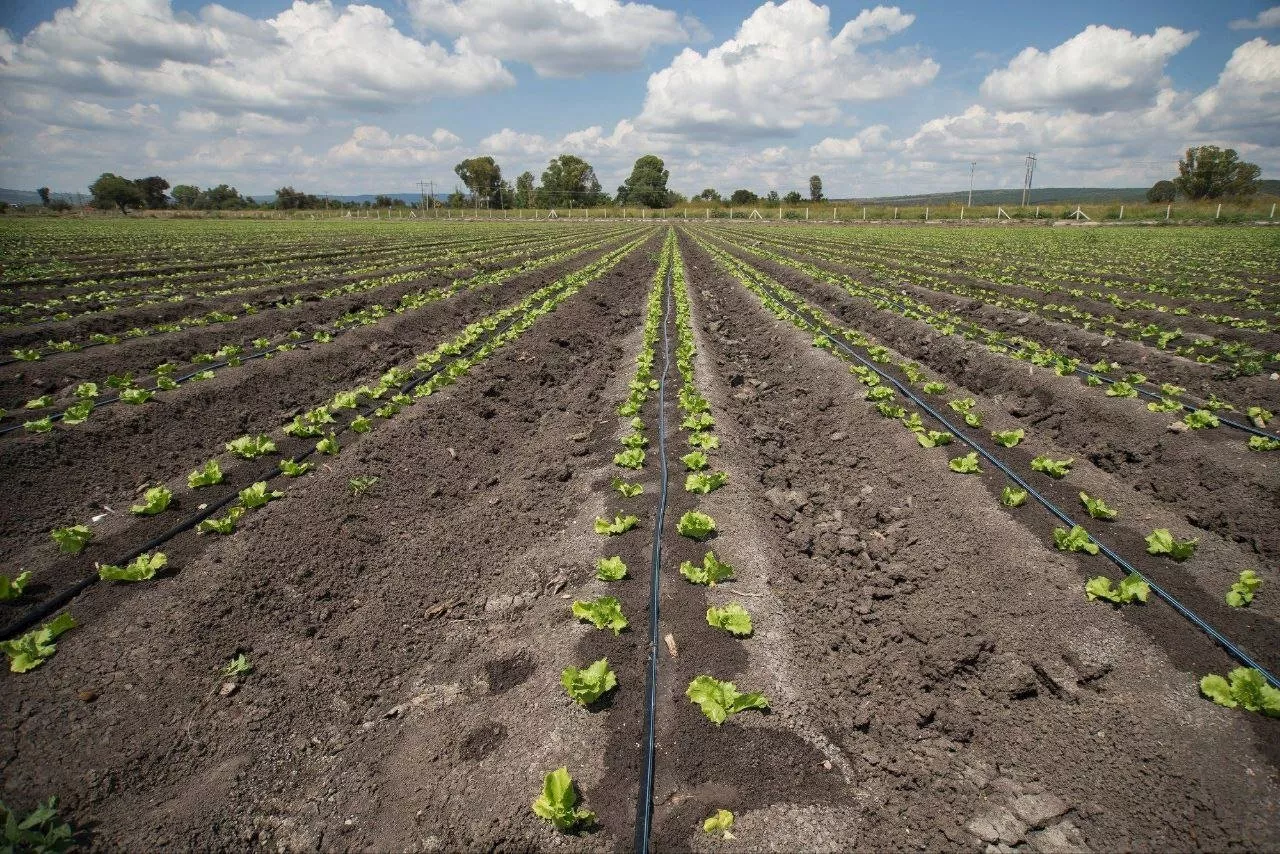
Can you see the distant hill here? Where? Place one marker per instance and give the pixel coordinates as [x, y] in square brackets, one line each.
[1037, 196]
[31, 197]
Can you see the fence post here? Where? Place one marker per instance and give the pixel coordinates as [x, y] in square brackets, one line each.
[1037, 211]
[926, 214]
[1273, 211]
[1122, 213]
[779, 213]
[806, 214]
[835, 214]
[1167, 210]
[864, 214]
[895, 213]
[708, 213]
[1218, 213]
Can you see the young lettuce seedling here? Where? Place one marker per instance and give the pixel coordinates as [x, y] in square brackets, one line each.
[37, 646]
[141, 568]
[733, 618]
[1008, 438]
[154, 500]
[611, 569]
[1056, 469]
[1161, 542]
[208, 475]
[968, 464]
[632, 458]
[719, 823]
[603, 613]
[695, 461]
[696, 525]
[1075, 540]
[1131, 588]
[1011, 497]
[712, 570]
[294, 469]
[329, 445]
[249, 447]
[718, 700]
[72, 540]
[1241, 592]
[223, 525]
[1243, 687]
[11, 588]
[136, 396]
[628, 490]
[704, 482]
[934, 438]
[558, 802]
[704, 441]
[619, 525]
[256, 495]
[77, 413]
[1097, 508]
[588, 684]
[360, 485]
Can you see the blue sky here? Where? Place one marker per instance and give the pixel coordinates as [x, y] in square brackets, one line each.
[374, 96]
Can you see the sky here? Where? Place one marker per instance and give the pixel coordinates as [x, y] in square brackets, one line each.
[375, 96]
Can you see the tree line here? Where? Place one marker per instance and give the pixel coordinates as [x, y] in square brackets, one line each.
[1209, 172]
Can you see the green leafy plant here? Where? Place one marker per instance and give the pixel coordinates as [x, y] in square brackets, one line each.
[712, 571]
[293, 469]
[1121, 389]
[255, 495]
[704, 482]
[1097, 508]
[696, 525]
[611, 569]
[249, 447]
[39, 402]
[632, 458]
[934, 438]
[207, 475]
[38, 645]
[11, 588]
[935, 387]
[694, 461]
[329, 445]
[627, 489]
[1131, 588]
[619, 525]
[77, 413]
[86, 391]
[718, 700]
[1259, 416]
[360, 485]
[224, 524]
[968, 464]
[1075, 540]
[634, 440]
[1256, 443]
[44, 425]
[1200, 419]
[166, 383]
[25, 354]
[236, 667]
[136, 396]
[154, 500]
[1244, 688]
[73, 539]
[558, 802]
[360, 424]
[1056, 469]
[704, 441]
[603, 613]
[719, 823]
[1161, 542]
[1013, 497]
[1008, 438]
[141, 568]
[588, 684]
[733, 618]
[1241, 592]
[973, 419]
[38, 832]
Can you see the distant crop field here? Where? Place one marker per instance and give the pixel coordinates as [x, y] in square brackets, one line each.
[859, 527]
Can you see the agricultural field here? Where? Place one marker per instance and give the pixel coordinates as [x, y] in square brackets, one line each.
[640, 534]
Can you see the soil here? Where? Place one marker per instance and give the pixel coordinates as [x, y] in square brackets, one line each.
[937, 679]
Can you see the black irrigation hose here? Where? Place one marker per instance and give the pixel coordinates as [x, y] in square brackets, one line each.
[1199, 622]
[1084, 373]
[38, 612]
[644, 805]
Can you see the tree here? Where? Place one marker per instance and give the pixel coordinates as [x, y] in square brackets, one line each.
[1209, 172]
[153, 191]
[44, 196]
[815, 188]
[648, 182]
[381, 201]
[743, 197]
[457, 199]
[524, 190]
[569, 178]
[112, 191]
[221, 198]
[482, 175]
[772, 198]
[1161, 191]
[708, 195]
[792, 198]
[185, 195]
[506, 195]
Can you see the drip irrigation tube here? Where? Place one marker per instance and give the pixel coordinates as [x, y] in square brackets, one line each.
[1085, 373]
[1199, 622]
[644, 805]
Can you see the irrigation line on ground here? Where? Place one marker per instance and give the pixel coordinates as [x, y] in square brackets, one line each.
[644, 805]
[1233, 649]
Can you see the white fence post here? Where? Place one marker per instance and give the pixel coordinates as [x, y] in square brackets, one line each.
[926, 214]
[1218, 213]
[806, 214]
[1122, 213]
[1273, 211]
[1167, 210]
[962, 214]
[864, 214]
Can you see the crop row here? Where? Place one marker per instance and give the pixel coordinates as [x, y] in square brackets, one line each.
[166, 376]
[350, 411]
[1130, 384]
[871, 364]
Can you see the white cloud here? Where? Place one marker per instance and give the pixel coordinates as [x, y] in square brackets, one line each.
[1246, 99]
[1095, 71]
[370, 145]
[559, 38]
[851, 148]
[1267, 19]
[240, 124]
[310, 56]
[782, 70]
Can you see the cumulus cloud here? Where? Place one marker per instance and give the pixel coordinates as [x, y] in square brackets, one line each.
[559, 38]
[1267, 19]
[1246, 98]
[373, 146]
[311, 56]
[866, 141]
[1095, 71]
[782, 70]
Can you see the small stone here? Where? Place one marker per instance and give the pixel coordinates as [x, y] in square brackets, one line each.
[1178, 427]
[1038, 810]
[228, 688]
[839, 436]
[670, 641]
[826, 764]
[88, 695]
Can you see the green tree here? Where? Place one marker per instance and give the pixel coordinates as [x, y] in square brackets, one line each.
[569, 178]
[815, 188]
[221, 198]
[648, 182]
[743, 197]
[457, 199]
[1161, 191]
[792, 198]
[1209, 172]
[112, 191]
[772, 198]
[44, 196]
[524, 190]
[153, 191]
[482, 175]
[506, 196]
[708, 195]
[186, 195]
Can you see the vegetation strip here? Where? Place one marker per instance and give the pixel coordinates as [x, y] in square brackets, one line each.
[792, 313]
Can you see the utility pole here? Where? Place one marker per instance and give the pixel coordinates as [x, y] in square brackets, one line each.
[972, 165]
[1026, 181]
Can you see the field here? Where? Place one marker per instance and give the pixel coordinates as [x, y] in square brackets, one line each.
[962, 512]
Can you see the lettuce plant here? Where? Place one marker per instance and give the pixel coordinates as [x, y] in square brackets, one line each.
[207, 475]
[558, 802]
[44, 425]
[712, 570]
[611, 569]
[968, 464]
[733, 618]
[704, 482]
[1200, 419]
[1260, 443]
[154, 500]
[1097, 508]
[1244, 687]
[632, 458]
[627, 489]
[1075, 540]
[1161, 542]
[37, 646]
[1131, 588]
[696, 525]
[704, 441]
[1056, 469]
[141, 568]
[603, 613]
[73, 539]
[718, 700]
[719, 823]
[11, 588]
[934, 438]
[255, 495]
[223, 524]
[1241, 592]
[249, 447]
[329, 445]
[619, 525]
[1008, 438]
[292, 469]
[77, 413]
[694, 461]
[935, 387]
[136, 396]
[1013, 497]
[86, 391]
[588, 684]
[39, 402]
